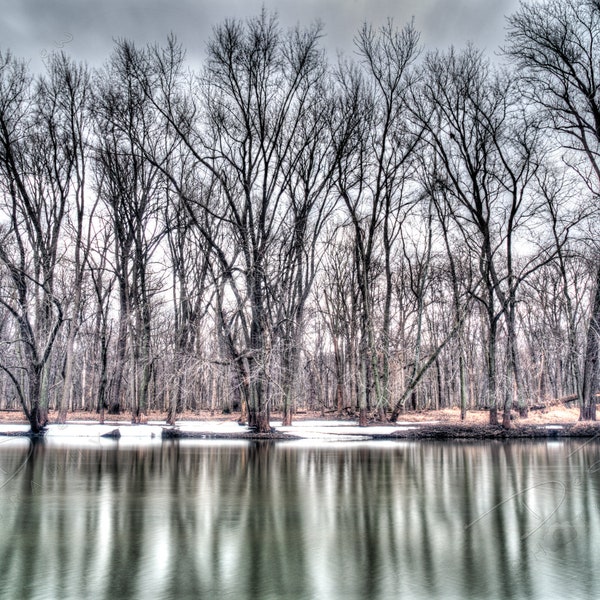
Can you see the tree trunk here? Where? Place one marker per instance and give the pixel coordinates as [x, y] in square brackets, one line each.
[38, 415]
[339, 375]
[462, 383]
[339, 397]
[362, 392]
[510, 391]
[491, 367]
[68, 379]
[291, 359]
[66, 396]
[173, 399]
[258, 414]
[114, 407]
[287, 412]
[261, 422]
[38, 419]
[592, 352]
[493, 416]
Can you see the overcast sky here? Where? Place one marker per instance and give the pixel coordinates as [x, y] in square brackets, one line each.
[86, 29]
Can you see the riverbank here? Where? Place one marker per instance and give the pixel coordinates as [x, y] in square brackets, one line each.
[555, 422]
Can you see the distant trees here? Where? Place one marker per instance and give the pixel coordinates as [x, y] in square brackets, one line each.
[73, 90]
[375, 160]
[555, 47]
[132, 189]
[484, 152]
[399, 231]
[254, 124]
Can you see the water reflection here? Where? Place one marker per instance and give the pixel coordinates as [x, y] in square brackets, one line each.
[299, 521]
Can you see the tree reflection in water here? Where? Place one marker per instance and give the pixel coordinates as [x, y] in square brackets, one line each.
[298, 520]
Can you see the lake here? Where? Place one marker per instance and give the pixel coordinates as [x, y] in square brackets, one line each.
[299, 520]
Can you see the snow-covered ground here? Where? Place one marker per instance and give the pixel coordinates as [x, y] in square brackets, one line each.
[339, 429]
[334, 430]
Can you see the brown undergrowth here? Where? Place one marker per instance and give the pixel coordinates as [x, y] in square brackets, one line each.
[554, 415]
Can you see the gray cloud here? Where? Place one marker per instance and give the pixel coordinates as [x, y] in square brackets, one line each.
[87, 29]
[459, 21]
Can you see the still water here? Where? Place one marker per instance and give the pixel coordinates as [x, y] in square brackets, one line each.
[299, 520]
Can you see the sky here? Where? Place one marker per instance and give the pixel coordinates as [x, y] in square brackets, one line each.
[87, 29]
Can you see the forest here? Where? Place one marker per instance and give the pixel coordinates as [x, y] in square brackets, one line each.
[273, 230]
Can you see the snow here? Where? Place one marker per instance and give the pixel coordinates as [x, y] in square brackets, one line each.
[338, 430]
[322, 430]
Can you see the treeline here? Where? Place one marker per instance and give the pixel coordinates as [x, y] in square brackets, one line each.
[400, 230]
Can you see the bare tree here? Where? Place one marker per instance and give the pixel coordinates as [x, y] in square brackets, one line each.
[485, 158]
[564, 212]
[337, 295]
[69, 87]
[190, 258]
[371, 176]
[459, 271]
[309, 163]
[103, 276]
[240, 121]
[37, 165]
[555, 48]
[131, 187]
